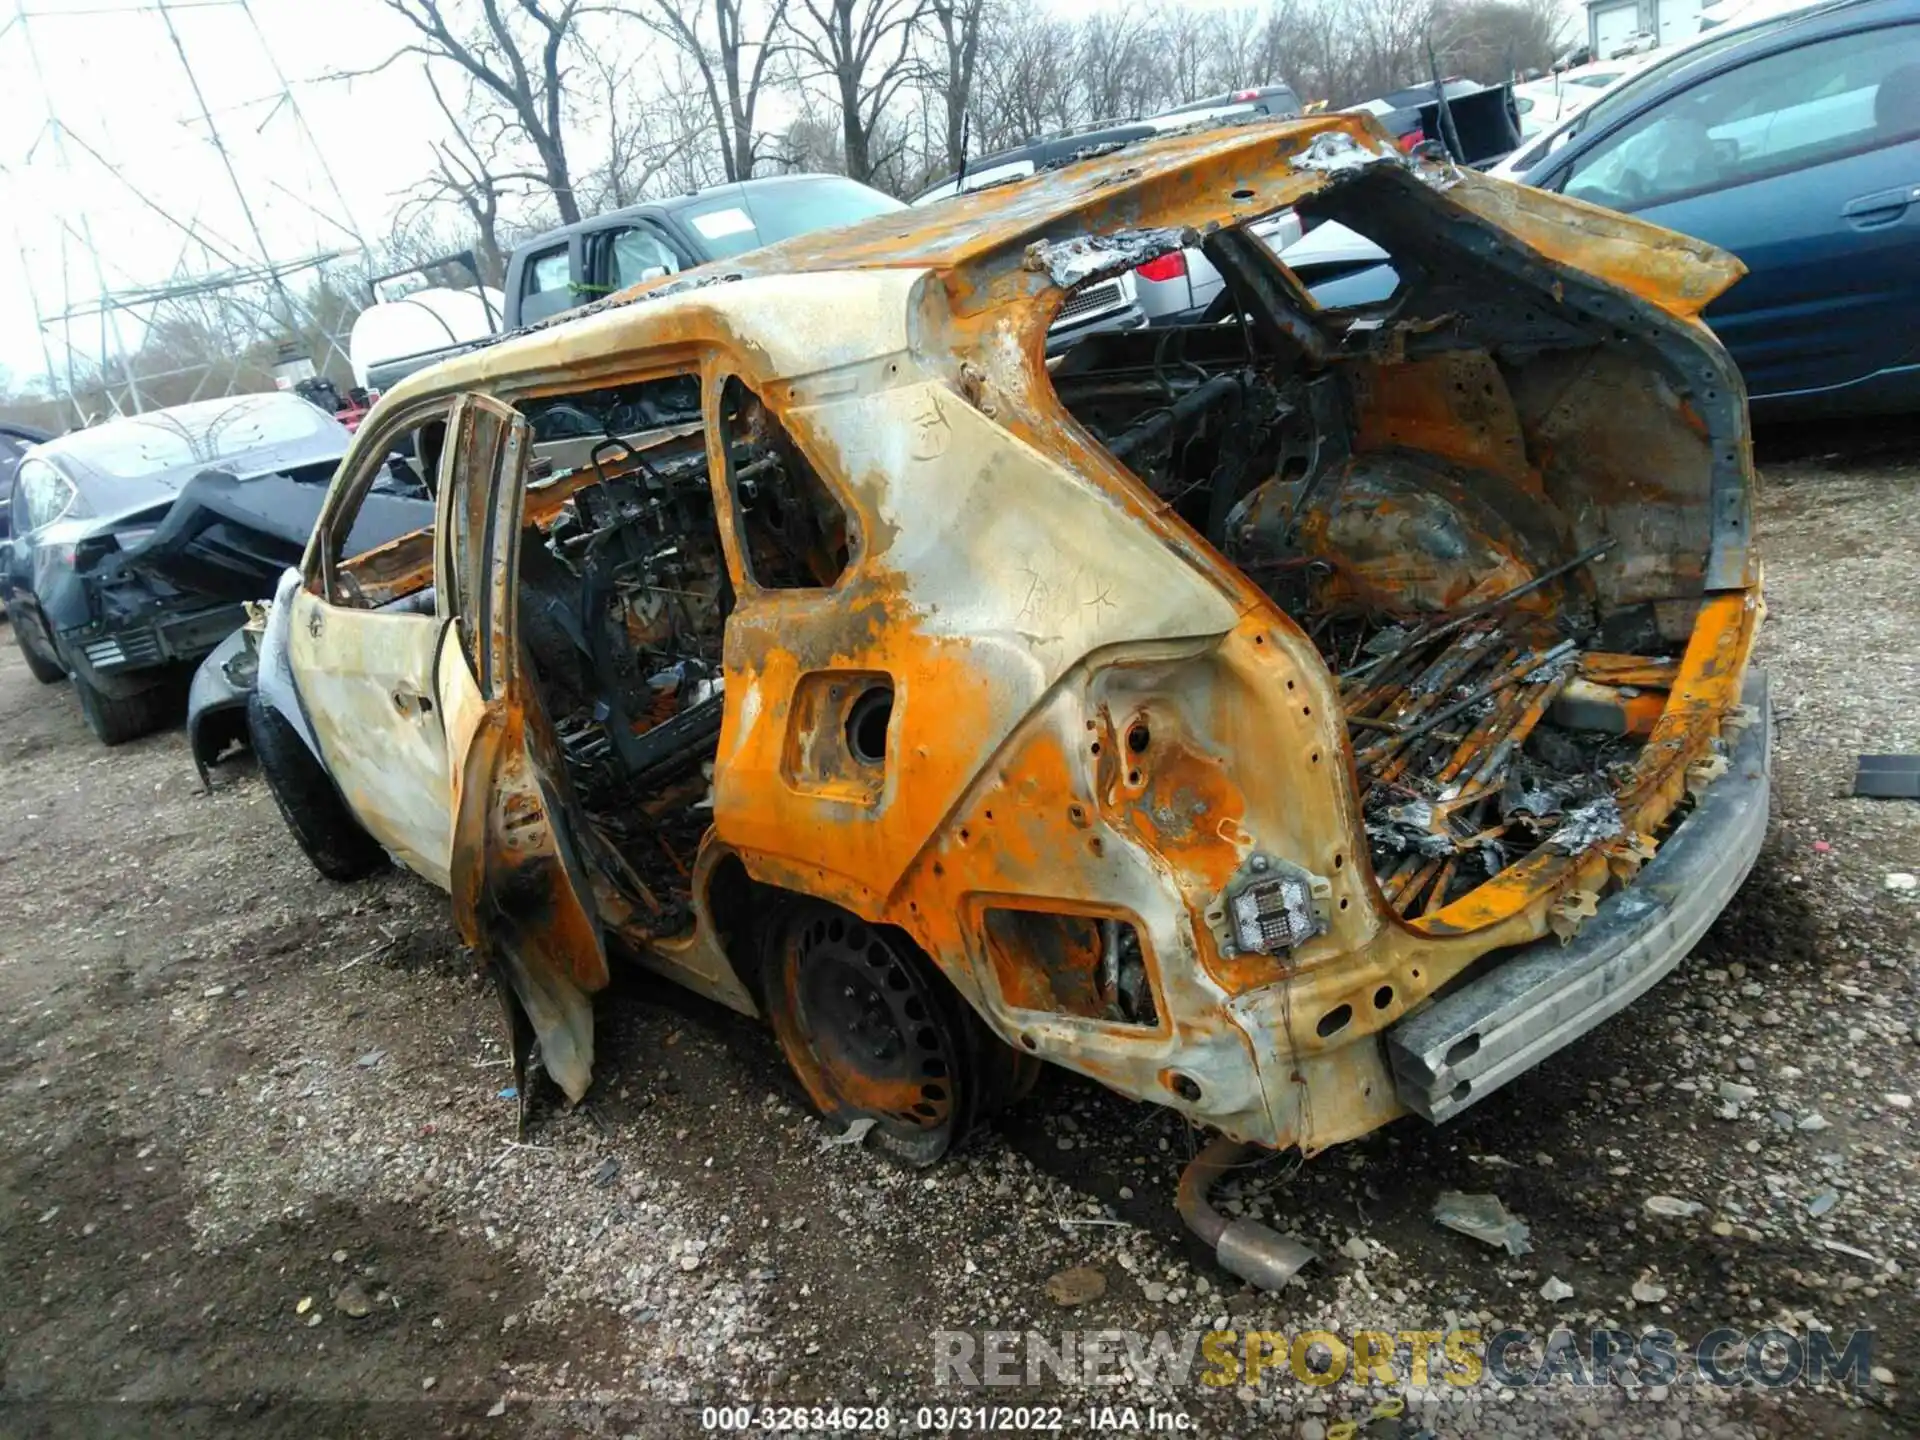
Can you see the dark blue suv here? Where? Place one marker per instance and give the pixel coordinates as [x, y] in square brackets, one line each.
[1798, 149]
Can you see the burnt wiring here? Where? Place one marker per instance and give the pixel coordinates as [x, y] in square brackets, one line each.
[631, 575]
[1464, 761]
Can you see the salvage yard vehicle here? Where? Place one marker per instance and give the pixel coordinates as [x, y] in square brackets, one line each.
[1177, 286]
[1483, 119]
[1545, 103]
[1298, 722]
[1791, 137]
[1796, 145]
[564, 268]
[135, 542]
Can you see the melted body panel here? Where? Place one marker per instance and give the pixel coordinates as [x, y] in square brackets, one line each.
[1100, 704]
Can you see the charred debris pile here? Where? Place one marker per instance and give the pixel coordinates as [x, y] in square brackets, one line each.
[1475, 742]
[1490, 709]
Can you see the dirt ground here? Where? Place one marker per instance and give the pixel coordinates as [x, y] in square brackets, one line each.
[257, 1174]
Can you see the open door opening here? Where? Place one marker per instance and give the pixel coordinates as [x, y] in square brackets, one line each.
[522, 894]
[595, 632]
[623, 597]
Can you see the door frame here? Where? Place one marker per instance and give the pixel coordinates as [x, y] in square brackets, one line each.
[416, 697]
[522, 896]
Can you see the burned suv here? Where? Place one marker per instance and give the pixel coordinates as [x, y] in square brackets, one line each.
[1297, 721]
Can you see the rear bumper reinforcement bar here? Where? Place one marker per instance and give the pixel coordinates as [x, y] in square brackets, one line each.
[1545, 995]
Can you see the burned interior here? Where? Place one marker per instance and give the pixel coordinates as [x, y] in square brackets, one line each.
[622, 599]
[1426, 487]
[623, 596]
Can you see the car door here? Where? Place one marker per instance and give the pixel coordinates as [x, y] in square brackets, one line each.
[12, 447]
[1804, 162]
[547, 284]
[521, 893]
[367, 674]
[629, 255]
[16, 548]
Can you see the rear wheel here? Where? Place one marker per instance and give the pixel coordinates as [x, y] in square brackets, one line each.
[875, 1032]
[310, 804]
[116, 719]
[47, 669]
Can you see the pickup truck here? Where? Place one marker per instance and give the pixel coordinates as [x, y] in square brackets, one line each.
[562, 269]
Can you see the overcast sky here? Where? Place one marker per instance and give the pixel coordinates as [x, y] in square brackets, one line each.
[112, 77]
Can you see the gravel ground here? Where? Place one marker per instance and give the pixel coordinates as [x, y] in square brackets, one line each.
[257, 1175]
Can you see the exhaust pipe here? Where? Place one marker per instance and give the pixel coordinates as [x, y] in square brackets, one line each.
[1257, 1254]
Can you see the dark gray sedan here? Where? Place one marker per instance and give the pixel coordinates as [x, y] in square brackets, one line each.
[134, 543]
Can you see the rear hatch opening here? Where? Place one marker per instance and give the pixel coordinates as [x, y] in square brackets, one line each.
[1494, 516]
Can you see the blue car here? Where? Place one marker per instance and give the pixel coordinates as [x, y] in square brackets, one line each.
[1798, 149]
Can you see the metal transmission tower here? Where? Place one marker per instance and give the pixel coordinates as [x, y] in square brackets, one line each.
[128, 221]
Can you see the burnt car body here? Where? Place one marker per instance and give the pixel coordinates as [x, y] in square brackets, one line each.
[1296, 722]
[136, 542]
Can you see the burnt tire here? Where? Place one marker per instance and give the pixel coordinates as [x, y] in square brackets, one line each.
[116, 719]
[310, 804]
[44, 668]
[873, 1031]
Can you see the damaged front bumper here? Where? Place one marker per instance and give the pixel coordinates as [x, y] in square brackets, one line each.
[217, 699]
[1544, 996]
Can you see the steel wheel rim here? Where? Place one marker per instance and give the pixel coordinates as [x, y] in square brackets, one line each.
[866, 1035]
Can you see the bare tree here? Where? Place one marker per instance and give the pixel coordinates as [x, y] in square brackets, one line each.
[1235, 49]
[644, 135]
[477, 194]
[811, 144]
[1389, 40]
[420, 237]
[1116, 68]
[957, 24]
[38, 403]
[732, 59]
[520, 67]
[1186, 40]
[864, 50]
[1500, 39]
[1024, 80]
[468, 176]
[890, 92]
[681, 109]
